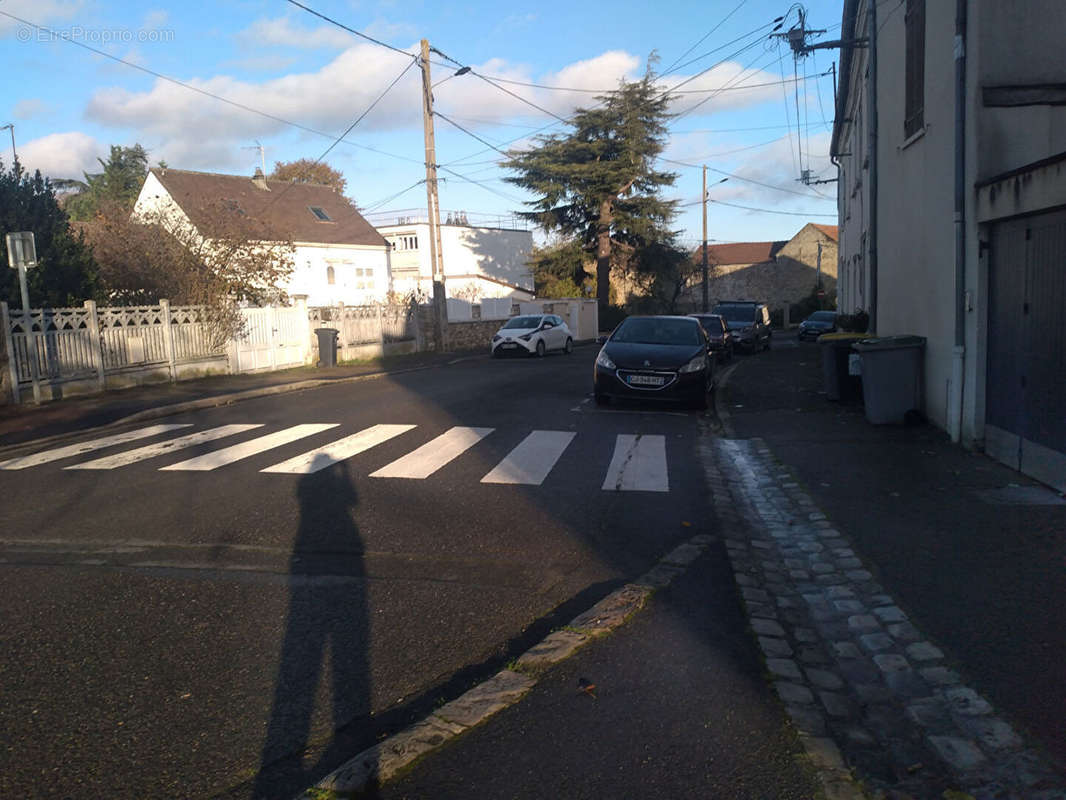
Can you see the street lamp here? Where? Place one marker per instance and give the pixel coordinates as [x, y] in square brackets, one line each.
[22, 255]
[706, 300]
[11, 127]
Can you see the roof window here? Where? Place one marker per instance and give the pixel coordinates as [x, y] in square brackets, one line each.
[320, 214]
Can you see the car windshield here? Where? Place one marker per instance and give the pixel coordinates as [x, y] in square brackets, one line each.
[736, 313]
[823, 316]
[523, 322]
[710, 322]
[650, 330]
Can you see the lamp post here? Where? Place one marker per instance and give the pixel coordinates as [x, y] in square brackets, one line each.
[11, 127]
[22, 255]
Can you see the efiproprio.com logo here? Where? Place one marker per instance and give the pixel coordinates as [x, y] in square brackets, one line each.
[77, 33]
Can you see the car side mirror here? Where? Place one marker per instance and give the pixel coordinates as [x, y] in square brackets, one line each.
[601, 340]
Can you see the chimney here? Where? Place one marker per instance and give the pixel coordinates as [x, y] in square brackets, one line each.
[259, 179]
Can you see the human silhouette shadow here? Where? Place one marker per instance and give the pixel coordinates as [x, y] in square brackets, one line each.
[326, 634]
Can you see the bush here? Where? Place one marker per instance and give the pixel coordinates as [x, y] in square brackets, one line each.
[858, 322]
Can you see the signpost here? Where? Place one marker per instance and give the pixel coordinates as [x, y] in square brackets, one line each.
[22, 255]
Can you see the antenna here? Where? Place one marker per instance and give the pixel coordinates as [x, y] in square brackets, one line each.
[262, 153]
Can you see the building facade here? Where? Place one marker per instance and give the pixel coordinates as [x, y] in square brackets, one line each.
[970, 227]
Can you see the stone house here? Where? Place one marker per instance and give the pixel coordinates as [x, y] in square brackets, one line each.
[965, 239]
[778, 273]
[338, 258]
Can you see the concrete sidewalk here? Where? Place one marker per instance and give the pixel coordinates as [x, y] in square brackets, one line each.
[27, 422]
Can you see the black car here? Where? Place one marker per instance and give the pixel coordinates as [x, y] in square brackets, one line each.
[719, 335]
[818, 323]
[749, 322]
[661, 358]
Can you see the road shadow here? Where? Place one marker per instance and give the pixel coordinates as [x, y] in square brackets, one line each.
[325, 651]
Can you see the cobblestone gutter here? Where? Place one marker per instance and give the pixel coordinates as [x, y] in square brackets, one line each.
[867, 692]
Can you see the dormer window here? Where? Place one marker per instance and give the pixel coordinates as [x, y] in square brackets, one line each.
[320, 214]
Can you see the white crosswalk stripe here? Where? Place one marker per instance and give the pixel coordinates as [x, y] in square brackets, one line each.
[327, 455]
[638, 465]
[531, 461]
[433, 455]
[87, 447]
[236, 452]
[162, 448]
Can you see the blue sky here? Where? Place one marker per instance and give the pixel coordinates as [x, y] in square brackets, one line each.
[309, 80]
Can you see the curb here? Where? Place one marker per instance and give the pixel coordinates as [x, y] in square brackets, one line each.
[384, 760]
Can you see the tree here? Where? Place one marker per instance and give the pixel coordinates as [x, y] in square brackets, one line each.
[227, 261]
[305, 170]
[662, 271]
[113, 191]
[597, 183]
[559, 270]
[66, 274]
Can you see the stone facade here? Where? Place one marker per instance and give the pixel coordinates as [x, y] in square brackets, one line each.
[786, 275]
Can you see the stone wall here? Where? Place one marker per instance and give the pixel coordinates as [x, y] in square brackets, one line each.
[472, 334]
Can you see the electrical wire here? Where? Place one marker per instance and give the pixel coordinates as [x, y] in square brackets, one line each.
[706, 36]
[738, 177]
[342, 26]
[373, 206]
[760, 210]
[468, 133]
[788, 120]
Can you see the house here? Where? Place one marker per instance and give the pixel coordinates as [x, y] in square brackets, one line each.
[778, 273]
[338, 258]
[487, 260]
[964, 241]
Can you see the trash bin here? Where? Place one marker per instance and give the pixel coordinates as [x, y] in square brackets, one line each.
[891, 377]
[327, 347]
[839, 384]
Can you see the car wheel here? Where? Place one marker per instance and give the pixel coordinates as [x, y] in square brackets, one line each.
[699, 402]
[568, 348]
[496, 352]
[541, 349]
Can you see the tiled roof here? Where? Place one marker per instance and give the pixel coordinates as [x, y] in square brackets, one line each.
[740, 252]
[832, 231]
[283, 207]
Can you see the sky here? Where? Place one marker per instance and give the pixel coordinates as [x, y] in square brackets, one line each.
[204, 84]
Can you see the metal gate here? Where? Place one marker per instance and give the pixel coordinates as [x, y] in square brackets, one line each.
[1026, 396]
[274, 338]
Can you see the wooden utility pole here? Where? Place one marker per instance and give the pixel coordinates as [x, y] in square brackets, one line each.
[440, 306]
[706, 302]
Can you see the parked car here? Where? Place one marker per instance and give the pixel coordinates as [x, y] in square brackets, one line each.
[661, 358]
[818, 323]
[749, 322]
[532, 334]
[719, 335]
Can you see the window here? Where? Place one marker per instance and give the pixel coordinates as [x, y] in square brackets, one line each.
[331, 276]
[405, 242]
[914, 111]
[320, 214]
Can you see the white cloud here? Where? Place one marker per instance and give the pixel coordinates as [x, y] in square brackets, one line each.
[281, 31]
[156, 18]
[62, 155]
[38, 11]
[29, 108]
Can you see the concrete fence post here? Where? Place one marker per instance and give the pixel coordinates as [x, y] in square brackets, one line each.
[168, 339]
[9, 354]
[97, 344]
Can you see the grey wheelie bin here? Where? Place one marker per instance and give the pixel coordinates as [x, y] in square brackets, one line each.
[838, 383]
[327, 347]
[891, 377]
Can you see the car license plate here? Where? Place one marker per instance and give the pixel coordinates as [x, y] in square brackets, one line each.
[646, 380]
[509, 345]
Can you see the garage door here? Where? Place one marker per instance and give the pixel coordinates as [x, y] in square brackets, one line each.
[1026, 401]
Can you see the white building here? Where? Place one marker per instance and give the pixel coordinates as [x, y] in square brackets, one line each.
[480, 261]
[339, 257]
[996, 353]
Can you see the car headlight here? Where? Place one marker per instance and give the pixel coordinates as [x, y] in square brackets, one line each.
[496, 338]
[602, 360]
[696, 364]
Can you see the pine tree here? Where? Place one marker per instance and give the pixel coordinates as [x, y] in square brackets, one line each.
[598, 183]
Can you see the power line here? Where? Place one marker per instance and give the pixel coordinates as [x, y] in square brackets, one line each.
[468, 133]
[738, 177]
[342, 26]
[760, 210]
[706, 36]
[52, 34]
[370, 208]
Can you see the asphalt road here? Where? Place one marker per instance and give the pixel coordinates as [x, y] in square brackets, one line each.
[175, 633]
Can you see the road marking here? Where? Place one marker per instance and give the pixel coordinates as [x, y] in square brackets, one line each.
[228, 455]
[531, 461]
[87, 447]
[433, 455]
[638, 465]
[161, 448]
[330, 454]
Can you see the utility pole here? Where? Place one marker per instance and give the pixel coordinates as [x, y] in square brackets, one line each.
[11, 127]
[440, 307]
[821, 293]
[705, 298]
[262, 154]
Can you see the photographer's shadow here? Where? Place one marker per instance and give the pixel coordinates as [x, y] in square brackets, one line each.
[326, 635]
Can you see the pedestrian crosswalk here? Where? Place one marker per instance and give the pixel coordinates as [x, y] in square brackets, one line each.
[638, 461]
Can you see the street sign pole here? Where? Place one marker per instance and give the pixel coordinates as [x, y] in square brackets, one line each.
[22, 254]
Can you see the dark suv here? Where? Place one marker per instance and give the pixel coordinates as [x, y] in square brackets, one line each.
[749, 322]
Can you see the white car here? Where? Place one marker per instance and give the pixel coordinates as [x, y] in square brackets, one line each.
[530, 334]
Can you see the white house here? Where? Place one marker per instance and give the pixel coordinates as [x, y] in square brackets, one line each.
[969, 233]
[480, 261]
[339, 257]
